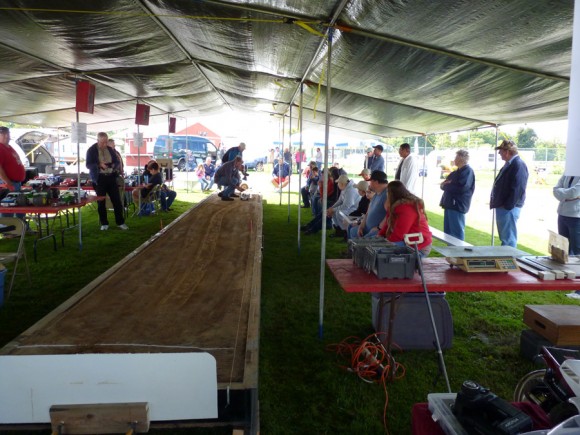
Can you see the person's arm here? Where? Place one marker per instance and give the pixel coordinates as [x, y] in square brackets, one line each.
[92, 159]
[6, 179]
[564, 193]
[517, 187]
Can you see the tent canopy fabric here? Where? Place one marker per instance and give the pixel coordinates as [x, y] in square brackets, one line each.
[397, 68]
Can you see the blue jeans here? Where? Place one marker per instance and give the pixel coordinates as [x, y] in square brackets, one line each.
[204, 183]
[166, 198]
[353, 232]
[569, 227]
[506, 225]
[454, 223]
[230, 188]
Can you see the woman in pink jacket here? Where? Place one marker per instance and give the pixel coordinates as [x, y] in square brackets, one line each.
[405, 215]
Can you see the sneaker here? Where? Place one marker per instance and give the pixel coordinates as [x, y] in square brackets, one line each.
[227, 198]
[123, 227]
[573, 295]
[104, 227]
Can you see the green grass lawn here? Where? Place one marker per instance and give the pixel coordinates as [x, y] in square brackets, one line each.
[304, 387]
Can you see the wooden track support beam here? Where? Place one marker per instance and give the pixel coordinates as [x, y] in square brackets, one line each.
[100, 418]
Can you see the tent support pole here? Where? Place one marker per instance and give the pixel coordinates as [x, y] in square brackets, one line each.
[300, 175]
[79, 186]
[494, 175]
[289, 163]
[325, 184]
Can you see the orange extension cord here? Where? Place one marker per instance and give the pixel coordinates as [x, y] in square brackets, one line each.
[370, 362]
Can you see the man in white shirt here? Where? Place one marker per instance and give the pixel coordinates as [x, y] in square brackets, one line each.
[408, 169]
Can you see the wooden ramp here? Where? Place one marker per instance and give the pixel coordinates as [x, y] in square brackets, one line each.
[195, 286]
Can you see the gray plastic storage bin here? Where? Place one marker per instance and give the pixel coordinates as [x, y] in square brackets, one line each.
[412, 327]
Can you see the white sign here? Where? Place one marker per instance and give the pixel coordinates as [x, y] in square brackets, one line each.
[79, 132]
[138, 139]
[177, 386]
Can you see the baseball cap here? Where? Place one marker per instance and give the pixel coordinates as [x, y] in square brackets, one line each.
[379, 147]
[508, 145]
[343, 179]
[379, 176]
[365, 171]
[362, 185]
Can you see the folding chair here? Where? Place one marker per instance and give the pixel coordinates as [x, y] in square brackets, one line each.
[7, 257]
[151, 201]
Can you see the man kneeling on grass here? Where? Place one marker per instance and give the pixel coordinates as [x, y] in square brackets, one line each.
[228, 177]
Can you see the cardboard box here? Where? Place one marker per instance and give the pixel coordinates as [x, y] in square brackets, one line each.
[560, 324]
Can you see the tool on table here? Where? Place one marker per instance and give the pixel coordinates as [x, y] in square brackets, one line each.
[482, 258]
[559, 265]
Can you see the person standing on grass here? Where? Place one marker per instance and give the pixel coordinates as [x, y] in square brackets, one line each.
[408, 169]
[457, 192]
[318, 158]
[104, 166]
[508, 193]
[209, 169]
[376, 162]
[567, 191]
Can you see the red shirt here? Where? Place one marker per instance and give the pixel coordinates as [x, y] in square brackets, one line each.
[406, 222]
[11, 163]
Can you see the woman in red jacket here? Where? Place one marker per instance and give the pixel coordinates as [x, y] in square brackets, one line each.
[405, 215]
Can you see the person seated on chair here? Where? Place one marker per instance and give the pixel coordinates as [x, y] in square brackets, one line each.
[166, 197]
[154, 180]
[405, 214]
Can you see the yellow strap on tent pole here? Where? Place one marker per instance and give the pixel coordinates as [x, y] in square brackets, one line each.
[322, 74]
[309, 29]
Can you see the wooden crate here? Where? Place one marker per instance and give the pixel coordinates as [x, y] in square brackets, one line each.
[560, 324]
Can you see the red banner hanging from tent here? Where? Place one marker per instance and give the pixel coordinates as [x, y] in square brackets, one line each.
[172, 125]
[85, 97]
[142, 114]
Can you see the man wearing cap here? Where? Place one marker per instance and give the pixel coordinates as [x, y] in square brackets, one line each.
[408, 169]
[509, 193]
[376, 162]
[457, 192]
[369, 226]
[366, 174]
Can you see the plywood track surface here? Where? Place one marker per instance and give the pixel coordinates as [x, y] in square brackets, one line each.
[195, 287]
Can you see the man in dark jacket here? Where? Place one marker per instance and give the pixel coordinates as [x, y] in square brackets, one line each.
[457, 192]
[228, 177]
[509, 193]
[104, 166]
